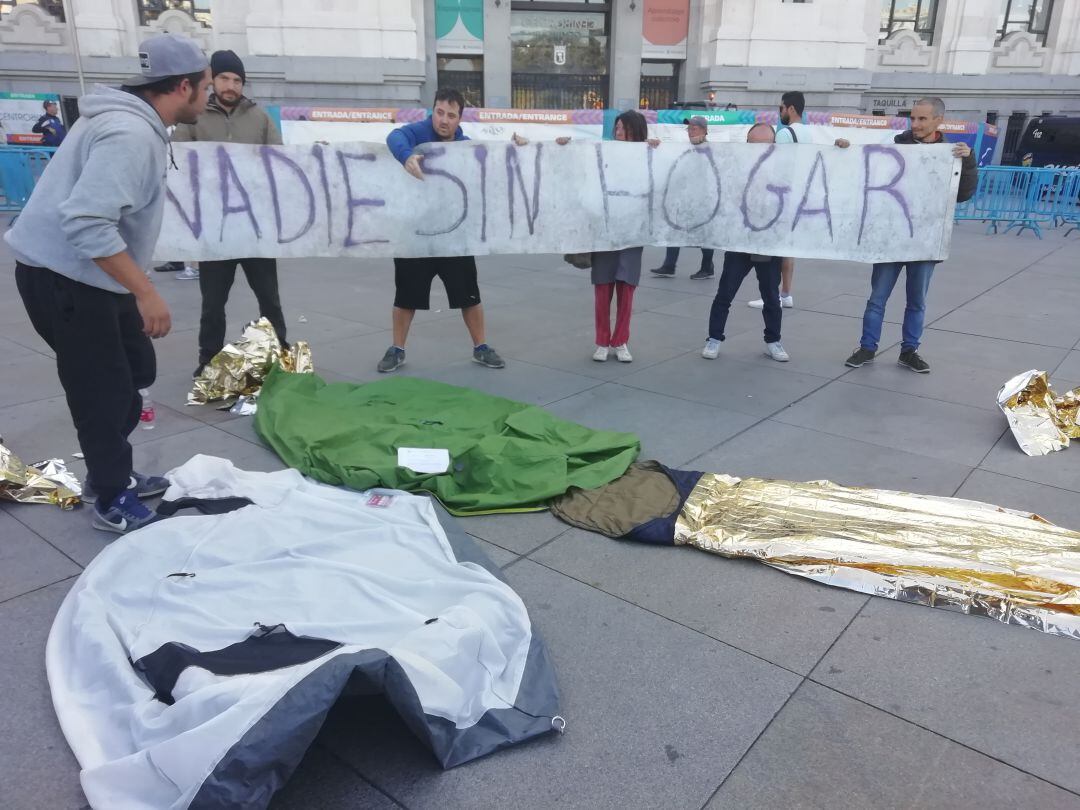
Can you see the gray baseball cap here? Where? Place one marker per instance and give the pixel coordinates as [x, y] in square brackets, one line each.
[167, 55]
[698, 121]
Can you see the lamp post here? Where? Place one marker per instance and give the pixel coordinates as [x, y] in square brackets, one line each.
[69, 15]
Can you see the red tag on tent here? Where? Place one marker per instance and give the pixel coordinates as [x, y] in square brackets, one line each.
[380, 500]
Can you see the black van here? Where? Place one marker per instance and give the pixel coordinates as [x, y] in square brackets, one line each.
[1052, 141]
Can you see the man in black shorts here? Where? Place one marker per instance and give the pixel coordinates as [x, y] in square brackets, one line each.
[413, 277]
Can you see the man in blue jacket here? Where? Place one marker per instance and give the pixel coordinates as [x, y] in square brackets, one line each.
[49, 126]
[413, 277]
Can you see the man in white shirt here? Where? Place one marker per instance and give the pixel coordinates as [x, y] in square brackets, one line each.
[791, 130]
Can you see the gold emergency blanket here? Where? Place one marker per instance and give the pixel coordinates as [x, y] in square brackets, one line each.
[1041, 420]
[239, 369]
[47, 482]
[943, 552]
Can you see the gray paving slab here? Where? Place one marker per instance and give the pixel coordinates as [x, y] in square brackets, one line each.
[671, 430]
[825, 750]
[322, 781]
[525, 382]
[773, 449]
[1011, 325]
[28, 378]
[27, 562]
[634, 737]
[779, 617]
[966, 369]
[1059, 506]
[1060, 469]
[818, 343]
[902, 421]
[995, 688]
[752, 386]
[500, 556]
[1068, 370]
[517, 533]
[37, 769]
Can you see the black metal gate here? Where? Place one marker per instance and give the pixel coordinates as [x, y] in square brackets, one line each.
[470, 83]
[1013, 130]
[658, 92]
[558, 91]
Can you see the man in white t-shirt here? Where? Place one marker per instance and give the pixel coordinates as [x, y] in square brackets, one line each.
[791, 130]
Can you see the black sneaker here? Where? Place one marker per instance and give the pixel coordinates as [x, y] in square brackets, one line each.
[860, 357]
[663, 271]
[170, 267]
[704, 272]
[392, 360]
[198, 371]
[912, 360]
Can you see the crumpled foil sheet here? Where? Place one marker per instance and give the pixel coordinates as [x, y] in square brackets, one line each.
[1040, 420]
[239, 369]
[45, 482]
[943, 552]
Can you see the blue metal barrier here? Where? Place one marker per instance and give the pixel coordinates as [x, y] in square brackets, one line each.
[20, 168]
[1025, 198]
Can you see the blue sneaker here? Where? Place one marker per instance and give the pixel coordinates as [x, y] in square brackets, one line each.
[125, 514]
[145, 486]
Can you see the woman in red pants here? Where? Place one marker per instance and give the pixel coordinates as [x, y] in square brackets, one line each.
[616, 273]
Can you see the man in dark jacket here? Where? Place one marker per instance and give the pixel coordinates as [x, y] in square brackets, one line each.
[926, 117]
[49, 126]
[413, 277]
[231, 117]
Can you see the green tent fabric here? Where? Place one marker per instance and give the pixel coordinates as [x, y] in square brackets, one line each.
[505, 456]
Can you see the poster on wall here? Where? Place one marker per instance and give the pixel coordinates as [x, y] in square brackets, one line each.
[665, 26]
[18, 114]
[459, 27]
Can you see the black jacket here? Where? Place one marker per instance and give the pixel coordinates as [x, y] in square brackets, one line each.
[969, 168]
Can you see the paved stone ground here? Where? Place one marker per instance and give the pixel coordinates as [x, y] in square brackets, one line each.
[688, 681]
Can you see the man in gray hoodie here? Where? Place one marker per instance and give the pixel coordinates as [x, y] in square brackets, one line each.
[81, 245]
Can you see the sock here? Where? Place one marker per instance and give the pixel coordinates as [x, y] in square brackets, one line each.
[398, 348]
[480, 347]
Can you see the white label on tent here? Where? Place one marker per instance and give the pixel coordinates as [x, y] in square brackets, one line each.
[423, 459]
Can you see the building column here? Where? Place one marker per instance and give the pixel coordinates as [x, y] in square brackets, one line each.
[497, 63]
[426, 17]
[692, 74]
[967, 41]
[103, 29]
[625, 48]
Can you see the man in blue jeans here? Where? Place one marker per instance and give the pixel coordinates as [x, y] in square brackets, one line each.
[926, 116]
[736, 268]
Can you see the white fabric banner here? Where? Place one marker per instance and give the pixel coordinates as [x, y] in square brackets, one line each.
[866, 203]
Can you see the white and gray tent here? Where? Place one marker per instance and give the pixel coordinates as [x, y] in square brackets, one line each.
[194, 661]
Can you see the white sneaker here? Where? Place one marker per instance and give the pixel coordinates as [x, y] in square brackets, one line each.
[711, 350]
[785, 301]
[622, 354]
[600, 355]
[189, 273]
[776, 352]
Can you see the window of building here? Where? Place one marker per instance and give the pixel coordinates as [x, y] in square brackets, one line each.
[659, 85]
[53, 7]
[466, 75]
[908, 15]
[1032, 16]
[559, 55]
[198, 10]
[991, 117]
